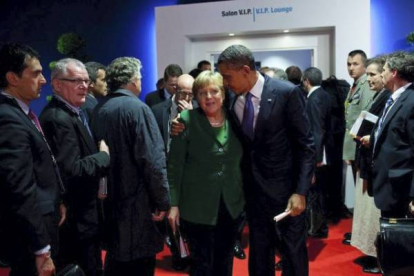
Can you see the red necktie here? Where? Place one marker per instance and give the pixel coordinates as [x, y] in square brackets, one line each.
[35, 120]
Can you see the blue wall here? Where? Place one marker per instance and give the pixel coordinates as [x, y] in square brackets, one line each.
[128, 29]
[391, 21]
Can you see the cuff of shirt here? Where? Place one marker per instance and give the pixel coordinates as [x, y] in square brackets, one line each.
[43, 250]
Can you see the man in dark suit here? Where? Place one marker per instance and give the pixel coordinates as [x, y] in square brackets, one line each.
[137, 181]
[97, 87]
[278, 164]
[29, 180]
[81, 164]
[171, 74]
[319, 108]
[167, 111]
[393, 140]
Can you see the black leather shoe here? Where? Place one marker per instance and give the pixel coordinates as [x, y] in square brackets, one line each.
[372, 270]
[347, 236]
[239, 252]
[346, 242]
[279, 265]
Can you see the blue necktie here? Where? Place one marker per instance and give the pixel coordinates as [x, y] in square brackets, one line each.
[248, 116]
[84, 121]
[388, 104]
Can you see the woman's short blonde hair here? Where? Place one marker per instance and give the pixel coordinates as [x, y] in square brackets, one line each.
[207, 78]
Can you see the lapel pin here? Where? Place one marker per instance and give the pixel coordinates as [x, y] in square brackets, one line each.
[269, 100]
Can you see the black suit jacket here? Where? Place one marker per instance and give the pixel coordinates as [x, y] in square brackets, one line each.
[281, 158]
[319, 108]
[162, 112]
[80, 163]
[155, 97]
[29, 188]
[89, 105]
[393, 155]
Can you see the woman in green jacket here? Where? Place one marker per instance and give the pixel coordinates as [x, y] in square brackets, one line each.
[205, 180]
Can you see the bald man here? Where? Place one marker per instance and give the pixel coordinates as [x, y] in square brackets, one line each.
[166, 111]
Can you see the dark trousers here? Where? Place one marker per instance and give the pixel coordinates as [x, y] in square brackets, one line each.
[335, 178]
[22, 261]
[320, 188]
[289, 236]
[141, 267]
[83, 251]
[211, 247]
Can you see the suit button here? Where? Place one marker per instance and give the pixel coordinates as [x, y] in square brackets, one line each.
[220, 149]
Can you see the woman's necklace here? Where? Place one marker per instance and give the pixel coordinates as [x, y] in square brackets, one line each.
[218, 124]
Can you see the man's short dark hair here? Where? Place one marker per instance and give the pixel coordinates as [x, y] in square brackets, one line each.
[379, 61]
[195, 72]
[203, 62]
[313, 75]
[403, 63]
[172, 71]
[294, 74]
[236, 56]
[13, 58]
[93, 67]
[361, 53]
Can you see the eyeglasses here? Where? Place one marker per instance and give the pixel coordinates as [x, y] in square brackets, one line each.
[183, 94]
[212, 93]
[77, 81]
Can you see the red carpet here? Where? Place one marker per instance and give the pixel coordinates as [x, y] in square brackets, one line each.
[328, 257]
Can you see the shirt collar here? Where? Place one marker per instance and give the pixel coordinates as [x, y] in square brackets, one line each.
[258, 87]
[399, 91]
[313, 89]
[167, 95]
[22, 105]
[73, 108]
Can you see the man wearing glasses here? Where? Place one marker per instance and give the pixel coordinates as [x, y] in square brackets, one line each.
[81, 164]
[167, 111]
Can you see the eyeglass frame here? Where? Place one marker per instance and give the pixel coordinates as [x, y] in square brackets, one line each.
[180, 93]
[76, 81]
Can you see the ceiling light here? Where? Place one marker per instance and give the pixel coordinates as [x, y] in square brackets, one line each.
[286, 31]
[231, 34]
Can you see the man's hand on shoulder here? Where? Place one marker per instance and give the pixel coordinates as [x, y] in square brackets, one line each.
[296, 204]
[176, 126]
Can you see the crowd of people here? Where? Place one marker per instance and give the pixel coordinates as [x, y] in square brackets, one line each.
[206, 153]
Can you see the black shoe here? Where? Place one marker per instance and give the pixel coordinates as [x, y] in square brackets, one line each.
[279, 265]
[238, 251]
[347, 236]
[366, 261]
[346, 242]
[180, 263]
[371, 269]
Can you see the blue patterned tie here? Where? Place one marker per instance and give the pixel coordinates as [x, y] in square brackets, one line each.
[84, 121]
[248, 116]
[388, 104]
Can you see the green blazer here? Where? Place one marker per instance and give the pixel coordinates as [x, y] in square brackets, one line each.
[201, 170]
[360, 100]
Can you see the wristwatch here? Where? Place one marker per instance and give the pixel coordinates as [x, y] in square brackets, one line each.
[45, 255]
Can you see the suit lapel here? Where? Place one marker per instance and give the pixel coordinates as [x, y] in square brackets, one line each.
[265, 108]
[166, 120]
[394, 109]
[205, 124]
[85, 136]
